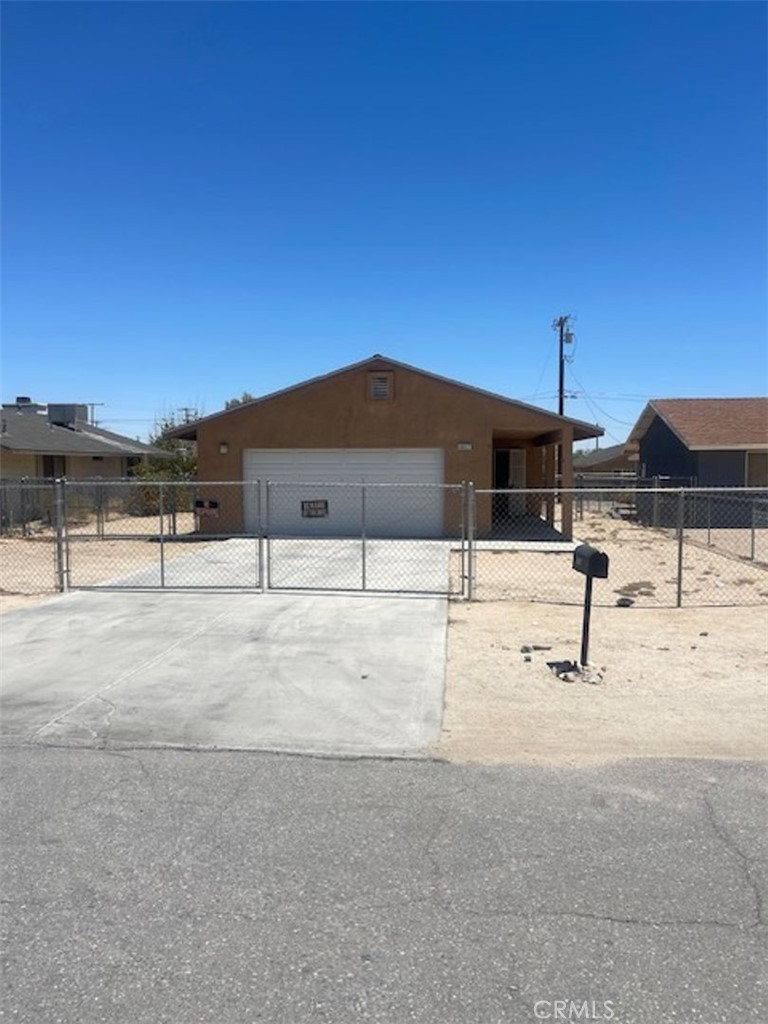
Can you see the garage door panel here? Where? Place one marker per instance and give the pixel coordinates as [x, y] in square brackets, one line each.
[410, 510]
[306, 509]
[300, 478]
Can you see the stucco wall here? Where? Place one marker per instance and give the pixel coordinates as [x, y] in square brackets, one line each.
[337, 412]
[14, 465]
[85, 467]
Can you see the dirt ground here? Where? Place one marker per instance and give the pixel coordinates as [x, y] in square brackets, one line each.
[643, 567]
[669, 682]
[675, 683]
[27, 570]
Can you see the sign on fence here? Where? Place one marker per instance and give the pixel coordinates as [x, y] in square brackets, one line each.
[206, 508]
[314, 509]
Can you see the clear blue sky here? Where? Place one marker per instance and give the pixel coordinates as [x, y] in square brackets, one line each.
[206, 198]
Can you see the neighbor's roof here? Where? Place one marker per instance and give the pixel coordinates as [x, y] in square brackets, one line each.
[600, 455]
[709, 424]
[581, 432]
[24, 431]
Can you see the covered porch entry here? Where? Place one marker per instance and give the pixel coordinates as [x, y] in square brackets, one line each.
[524, 468]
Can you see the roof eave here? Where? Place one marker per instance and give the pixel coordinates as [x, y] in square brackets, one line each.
[188, 432]
[758, 446]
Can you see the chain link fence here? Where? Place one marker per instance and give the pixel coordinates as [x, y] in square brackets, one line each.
[668, 546]
[368, 537]
[174, 534]
[28, 555]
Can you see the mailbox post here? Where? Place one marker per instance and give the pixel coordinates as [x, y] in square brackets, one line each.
[591, 563]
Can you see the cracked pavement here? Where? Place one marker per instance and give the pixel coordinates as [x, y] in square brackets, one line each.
[152, 886]
[231, 671]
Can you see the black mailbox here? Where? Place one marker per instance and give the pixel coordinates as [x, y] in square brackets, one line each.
[590, 561]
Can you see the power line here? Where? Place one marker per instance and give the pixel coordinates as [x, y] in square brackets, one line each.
[109, 419]
[541, 375]
[601, 411]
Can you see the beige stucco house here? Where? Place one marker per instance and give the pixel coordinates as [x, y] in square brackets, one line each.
[383, 421]
[42, 442]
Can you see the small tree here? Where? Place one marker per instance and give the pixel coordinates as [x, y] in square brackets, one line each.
[179, 464]
[246, 396]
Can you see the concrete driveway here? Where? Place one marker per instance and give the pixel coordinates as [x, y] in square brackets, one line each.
[326, 674]
[320, 564]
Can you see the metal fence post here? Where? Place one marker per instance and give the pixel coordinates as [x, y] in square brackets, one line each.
[62, 582]
[471, 514]
[268, 534]
[173, 516]
[23, 503]
[680, 530]
[655, 519]
[463, 529]
[100, 515]
[260, 529]
[363, 566]
[67, 545]
[162, 533]
[753, 507]
[709, 520]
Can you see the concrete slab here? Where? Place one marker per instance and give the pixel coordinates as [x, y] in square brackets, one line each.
[309, 673]
[324, 564]
[412, 566]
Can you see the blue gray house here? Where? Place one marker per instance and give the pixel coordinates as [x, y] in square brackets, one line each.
[711, 443]
[716, 442]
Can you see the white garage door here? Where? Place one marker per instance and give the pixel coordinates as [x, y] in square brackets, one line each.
[300, 504]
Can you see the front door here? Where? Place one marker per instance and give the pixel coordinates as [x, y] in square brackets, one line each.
[509, 476]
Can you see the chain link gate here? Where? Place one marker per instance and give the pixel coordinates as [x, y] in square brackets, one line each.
[669, 546]
[147, 535]
[378, 538]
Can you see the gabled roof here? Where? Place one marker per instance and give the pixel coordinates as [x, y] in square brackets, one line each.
[596, 458]
[25, 431]
[709, 424]
[581, 430]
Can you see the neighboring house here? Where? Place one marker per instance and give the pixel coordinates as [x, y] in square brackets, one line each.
[716, 442]
[44, 442]
[382, 421]
[613, 459]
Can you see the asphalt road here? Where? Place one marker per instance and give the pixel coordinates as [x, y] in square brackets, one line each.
[195, 887]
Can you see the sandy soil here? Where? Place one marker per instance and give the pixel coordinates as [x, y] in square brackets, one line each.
[27, 565]
[643, 567]
[675, 683]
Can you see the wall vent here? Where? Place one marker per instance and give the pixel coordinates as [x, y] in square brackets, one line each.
[380, 386]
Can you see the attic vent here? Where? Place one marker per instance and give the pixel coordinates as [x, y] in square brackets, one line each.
[380, 387]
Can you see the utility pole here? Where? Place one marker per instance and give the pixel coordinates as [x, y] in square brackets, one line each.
[565, 337]
[91, 415]
[189, 413]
